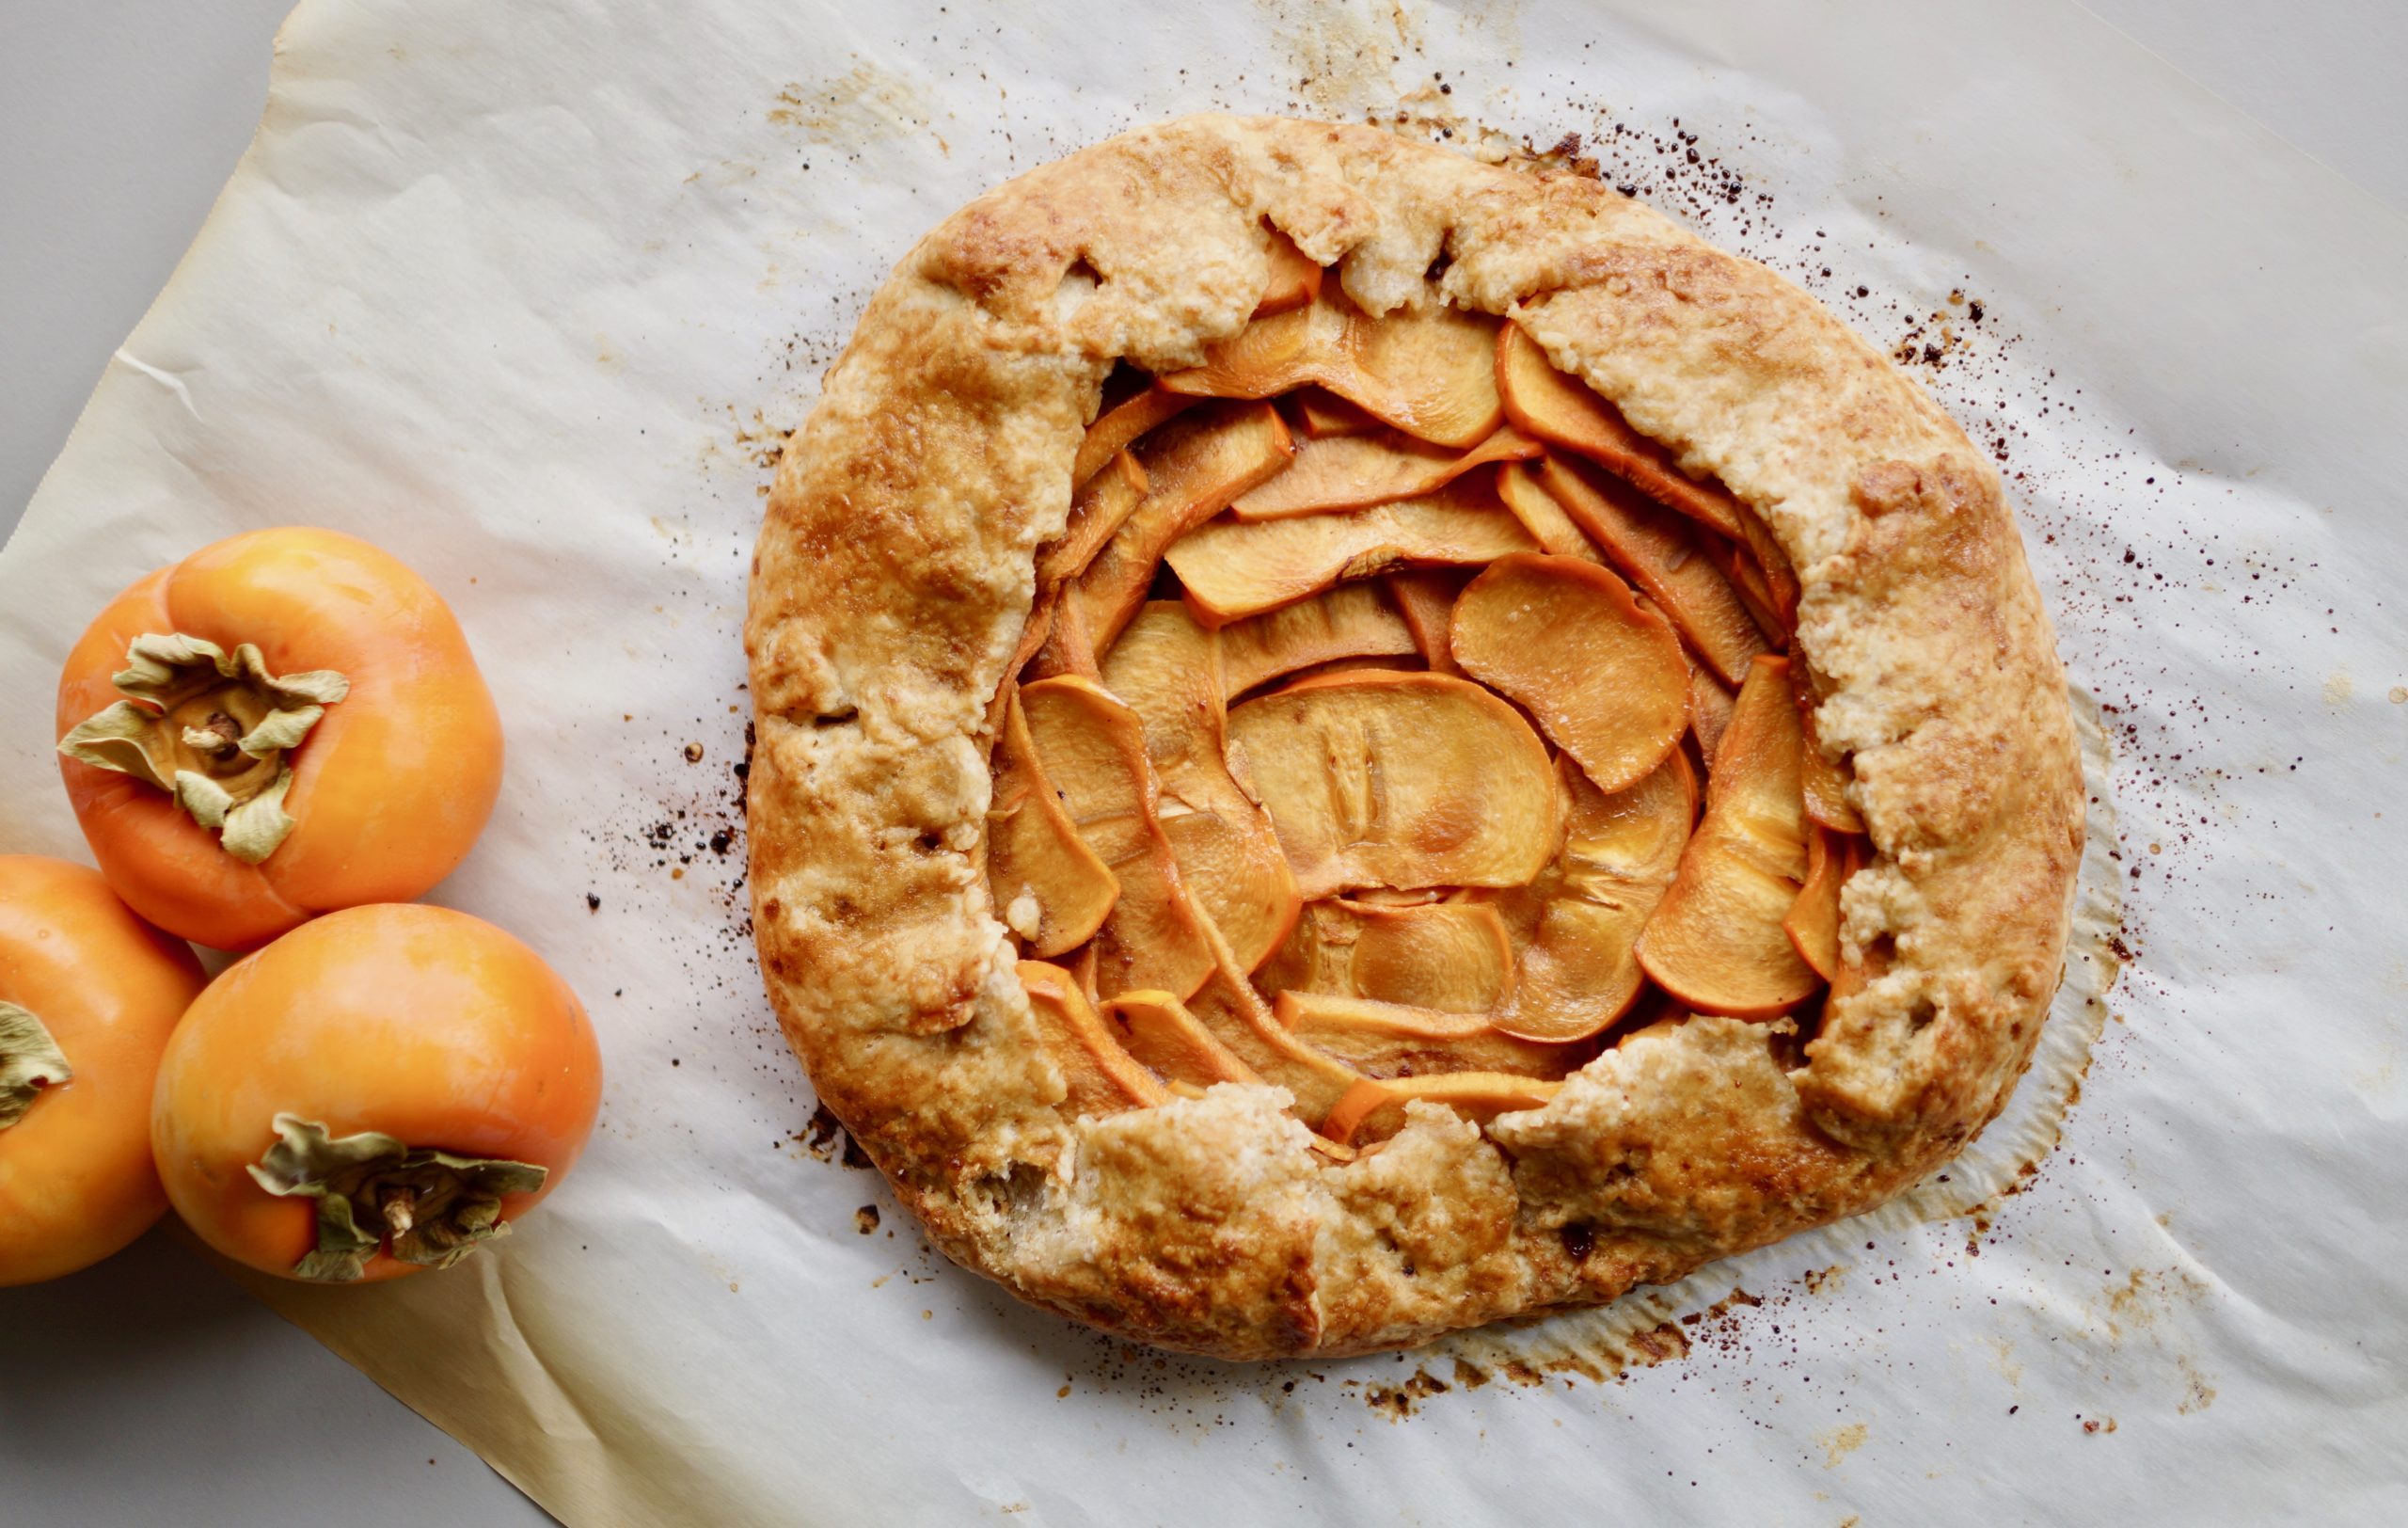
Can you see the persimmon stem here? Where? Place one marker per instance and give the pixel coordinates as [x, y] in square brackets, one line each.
[30, 1062]
[374, 1191]
[212, 730]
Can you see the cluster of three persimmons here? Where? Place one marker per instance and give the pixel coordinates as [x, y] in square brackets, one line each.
[275, 746]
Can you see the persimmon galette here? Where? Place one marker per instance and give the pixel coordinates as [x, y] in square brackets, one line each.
[1353, 742]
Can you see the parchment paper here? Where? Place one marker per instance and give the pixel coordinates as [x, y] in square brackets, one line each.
[528, 292]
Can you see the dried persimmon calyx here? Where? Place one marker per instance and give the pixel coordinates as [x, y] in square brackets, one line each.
[30, 1061]
[435, 1207]
[212, 730]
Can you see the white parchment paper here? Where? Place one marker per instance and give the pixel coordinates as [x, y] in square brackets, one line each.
[528, 295]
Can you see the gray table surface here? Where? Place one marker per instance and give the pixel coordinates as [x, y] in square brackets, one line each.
[147, 1390]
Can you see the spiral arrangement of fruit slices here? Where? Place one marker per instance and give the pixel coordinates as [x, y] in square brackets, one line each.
[1393, 722]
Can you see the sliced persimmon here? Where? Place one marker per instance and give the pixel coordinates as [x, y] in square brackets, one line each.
[1158, 1030]
[1543, 517]
[1093, 750]
[1428, 371]
[1047, 886]
[1824, 783]
[1101, 1077]
[1099, 509]
[1446, 957]
[1294, 281]
[1354, 472]
[1605, 679]
[1427, 597]
[1117, 428]
[1231, 568]
[1389, 779]
[1716, 942]
[1562, 411]
[1579, 923]
[1710, 702]
[1386, 1040]
[1167, 669]
[1067, 648]
[1195, 465]
[1813, 921]
[1325, 415]
[1353, 620]
[1374, 1110]
[1659, 553]
[1228, 1006]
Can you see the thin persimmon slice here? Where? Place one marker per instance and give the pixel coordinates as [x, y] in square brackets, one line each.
[1158, 1030]
[1392, 779]
[1195, 465]
[1230, 569]
[1543, 517]
[1710, 702]
[1717, 941]
[1099, 509]
[1825, 784]
[1294, 281]
[1427, 597]
[1386, 1040]
[1577, 925]
[1606, 680]
[1228, 1006]
[1118, 427]
[1099, 1075]
[1093, 750]
[1353, 620]
[1445, 957]
[1167, 669]
[1562, 411]
[1428, 371]
[1813, 921]
[1066, 648]
[1325, 415]
[1354, 471]
[1656, 550]
[1374, 1110]
[1047, 886]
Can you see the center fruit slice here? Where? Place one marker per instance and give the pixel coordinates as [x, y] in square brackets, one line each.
[1389, 779]
[1446, 957]
[1092, 748]
[1167, 669]
[1606, 680]
[1717, 941]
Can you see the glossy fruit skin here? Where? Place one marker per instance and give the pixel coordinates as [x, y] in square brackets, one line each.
[76, 1181]
[390, 789]
[422, 1023]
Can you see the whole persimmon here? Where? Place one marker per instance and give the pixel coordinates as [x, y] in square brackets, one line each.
[88, 994]
[377, 1092]
[283, 724]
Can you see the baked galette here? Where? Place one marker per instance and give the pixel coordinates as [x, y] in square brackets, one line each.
[1352, 743]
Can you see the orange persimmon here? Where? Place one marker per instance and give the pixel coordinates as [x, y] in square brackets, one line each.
[379, 1090]
[285, 723]
[89, 993]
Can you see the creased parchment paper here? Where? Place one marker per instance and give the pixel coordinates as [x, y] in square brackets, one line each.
[528, 294]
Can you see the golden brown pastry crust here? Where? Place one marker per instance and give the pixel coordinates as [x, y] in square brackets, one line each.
[893, 575]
